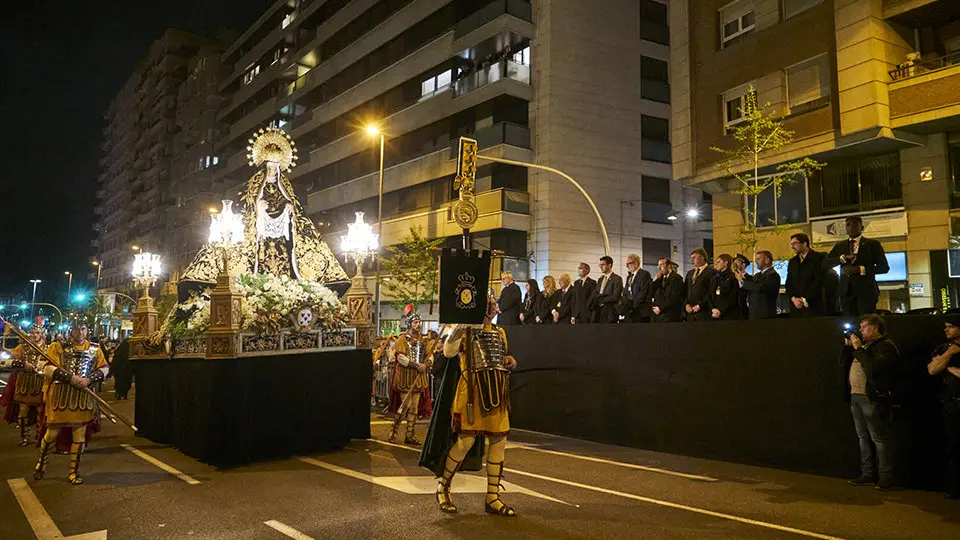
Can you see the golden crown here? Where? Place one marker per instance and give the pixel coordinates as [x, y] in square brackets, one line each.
[272, 145]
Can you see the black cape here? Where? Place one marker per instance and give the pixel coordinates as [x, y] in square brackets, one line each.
[440, 434]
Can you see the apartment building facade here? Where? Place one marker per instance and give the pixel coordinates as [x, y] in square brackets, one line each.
[869, 87]
[579, 86]
[136, 182]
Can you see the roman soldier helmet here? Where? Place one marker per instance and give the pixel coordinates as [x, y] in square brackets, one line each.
[409, 316]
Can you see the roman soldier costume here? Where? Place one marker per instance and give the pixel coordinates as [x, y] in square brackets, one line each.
[411, 382]
[75, 370]
[479, 409]
[25, 386]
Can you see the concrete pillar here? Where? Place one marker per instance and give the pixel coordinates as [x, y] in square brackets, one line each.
[928, 209]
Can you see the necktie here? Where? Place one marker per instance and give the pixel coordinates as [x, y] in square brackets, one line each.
[853, 246]
[696, 274]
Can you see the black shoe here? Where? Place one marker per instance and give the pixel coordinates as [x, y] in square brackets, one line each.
[862, 480]
[884, 485]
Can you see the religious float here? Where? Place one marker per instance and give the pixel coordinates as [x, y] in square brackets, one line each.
[260, 358]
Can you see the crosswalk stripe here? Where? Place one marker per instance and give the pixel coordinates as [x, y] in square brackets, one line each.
[156, 462]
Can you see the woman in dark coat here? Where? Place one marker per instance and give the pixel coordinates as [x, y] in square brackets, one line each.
[531, 302]
[548, 300]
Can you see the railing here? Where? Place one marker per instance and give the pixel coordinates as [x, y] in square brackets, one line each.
[493, 73]
[502, 133]
[518, 8]
[909, 69]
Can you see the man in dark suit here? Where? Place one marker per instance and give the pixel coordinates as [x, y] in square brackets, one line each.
[860, 260]
[563, 311]
[511, 301]
[607, 295]
[635, 302]
[762, 287]
[805, 274]
[697, 302]
[583, 291]
[668, 293]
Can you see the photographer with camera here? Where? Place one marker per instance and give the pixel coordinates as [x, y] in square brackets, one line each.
[870, 362]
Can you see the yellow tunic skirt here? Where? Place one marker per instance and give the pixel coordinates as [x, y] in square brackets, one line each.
[67, 405]
[489, 387]
[29, 388]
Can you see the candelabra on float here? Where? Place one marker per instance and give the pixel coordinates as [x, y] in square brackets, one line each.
[360, 244]
[226, 231]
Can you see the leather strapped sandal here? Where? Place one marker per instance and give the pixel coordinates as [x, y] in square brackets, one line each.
[74, 476]
[45, 448]
[494, 485]
[443, 487]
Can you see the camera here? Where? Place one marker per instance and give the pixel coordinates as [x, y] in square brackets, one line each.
[849, 330]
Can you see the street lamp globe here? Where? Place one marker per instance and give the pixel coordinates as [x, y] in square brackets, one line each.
[146, 269]
[693, 213]
[372, 130]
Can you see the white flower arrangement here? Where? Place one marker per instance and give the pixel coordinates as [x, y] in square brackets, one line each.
[267, 302]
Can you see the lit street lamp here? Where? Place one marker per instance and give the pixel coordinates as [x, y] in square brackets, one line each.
[360, 243]
[69, 283]
[35, 282]
[99, 266]
[375, 131]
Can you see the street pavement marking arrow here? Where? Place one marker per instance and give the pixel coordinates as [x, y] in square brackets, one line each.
[40, 521]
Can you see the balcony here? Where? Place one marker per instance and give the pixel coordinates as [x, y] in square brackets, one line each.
[926, 97]
[495, 72]
[502, 133]
[518, 8]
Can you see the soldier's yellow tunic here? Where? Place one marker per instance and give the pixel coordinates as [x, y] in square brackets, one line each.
[407, 377]
[496, 422]
[29, 389]
[67, 405]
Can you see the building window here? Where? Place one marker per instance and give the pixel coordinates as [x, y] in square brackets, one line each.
[735, 105]
[808, 84]
[871, 183]
[655, 139]
[653, 22]
[654, 80]
[792, 7]
[736, 21]
[655, 194]
[789, 209]
[522, 56]
[251, 73]
[654, 249]
[436, 83]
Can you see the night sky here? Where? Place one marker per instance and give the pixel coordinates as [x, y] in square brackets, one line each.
[63, 62]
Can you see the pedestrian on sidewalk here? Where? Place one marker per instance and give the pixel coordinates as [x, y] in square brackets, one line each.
[121, 370]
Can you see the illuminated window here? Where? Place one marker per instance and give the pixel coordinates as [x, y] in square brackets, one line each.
[522, 56]
[251, 74]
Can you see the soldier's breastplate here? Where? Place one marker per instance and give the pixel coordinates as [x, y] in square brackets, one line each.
[488, 351]
[417, 353]
[81, 363]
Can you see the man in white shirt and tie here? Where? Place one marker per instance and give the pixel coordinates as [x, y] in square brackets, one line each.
[860, 259]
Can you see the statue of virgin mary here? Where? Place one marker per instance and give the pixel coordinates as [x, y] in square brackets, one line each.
[279, 239]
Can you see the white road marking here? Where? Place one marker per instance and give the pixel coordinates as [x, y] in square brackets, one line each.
[427, 485]
[650, 500]
[619, 464]
[677, 506]
[40, 521]
[286, 530]
[154, 461]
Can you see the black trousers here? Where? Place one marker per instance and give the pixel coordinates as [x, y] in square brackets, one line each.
[854, 306]
[951, 419]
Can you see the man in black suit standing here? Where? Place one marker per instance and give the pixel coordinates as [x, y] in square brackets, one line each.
[805, 274]
[860, 260]
[697, 302]
[607, 295]
[563, 311]
[582, 292]
[635, 303]
[511, 301]
[762, 287]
